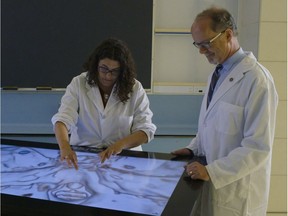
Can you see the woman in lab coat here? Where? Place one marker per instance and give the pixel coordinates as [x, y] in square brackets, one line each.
[236, 131]
[104, 107]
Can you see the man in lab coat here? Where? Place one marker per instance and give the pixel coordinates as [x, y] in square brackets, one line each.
[236, 127]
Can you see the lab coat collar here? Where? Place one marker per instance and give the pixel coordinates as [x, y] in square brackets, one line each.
[94, 95]
[235, 76]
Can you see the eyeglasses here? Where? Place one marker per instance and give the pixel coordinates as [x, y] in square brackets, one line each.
[207, 44]
[105, 70]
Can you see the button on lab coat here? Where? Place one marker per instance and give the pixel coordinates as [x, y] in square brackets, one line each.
[83, 113]
[236, 134]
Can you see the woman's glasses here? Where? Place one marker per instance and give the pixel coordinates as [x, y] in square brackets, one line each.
[105, 70]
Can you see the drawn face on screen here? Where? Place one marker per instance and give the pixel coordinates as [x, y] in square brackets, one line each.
[73, 186]
[34, 174]
[122, 183]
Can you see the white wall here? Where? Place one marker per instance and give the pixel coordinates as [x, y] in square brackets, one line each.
[248, 24]
[272, 53]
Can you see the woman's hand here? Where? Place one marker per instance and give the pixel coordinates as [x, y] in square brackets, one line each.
[70, 156]
[66, 151]
[135, 139]
[114, 149]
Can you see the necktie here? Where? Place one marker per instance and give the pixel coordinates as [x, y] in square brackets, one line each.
[213, 82]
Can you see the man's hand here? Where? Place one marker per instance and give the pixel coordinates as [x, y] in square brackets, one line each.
[197, 171]
[183, 151]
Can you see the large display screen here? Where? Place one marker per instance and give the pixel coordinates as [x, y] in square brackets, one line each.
[123, 183]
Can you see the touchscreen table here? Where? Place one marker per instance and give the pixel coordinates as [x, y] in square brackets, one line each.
[132, 183]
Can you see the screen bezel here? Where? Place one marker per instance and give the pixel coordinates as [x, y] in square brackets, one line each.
[180, 203]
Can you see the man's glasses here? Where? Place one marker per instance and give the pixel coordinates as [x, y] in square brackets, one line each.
[207, 44]
[105, 70]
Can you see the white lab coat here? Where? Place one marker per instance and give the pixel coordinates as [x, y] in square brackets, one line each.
[236, 135]
[83, 113]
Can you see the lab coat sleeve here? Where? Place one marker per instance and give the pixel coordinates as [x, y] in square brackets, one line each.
[143, 115]
[68, 110]
[255, 148]
[194, 146]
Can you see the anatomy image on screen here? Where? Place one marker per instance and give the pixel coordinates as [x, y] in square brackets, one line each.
[123, 183]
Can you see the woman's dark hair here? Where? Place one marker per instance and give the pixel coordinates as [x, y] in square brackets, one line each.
[221, 19]
[116, 50]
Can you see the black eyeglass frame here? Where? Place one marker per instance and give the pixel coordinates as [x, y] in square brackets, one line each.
[105, 70]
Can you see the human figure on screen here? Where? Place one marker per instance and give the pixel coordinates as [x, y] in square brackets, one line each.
[105, 106]
[236, 126]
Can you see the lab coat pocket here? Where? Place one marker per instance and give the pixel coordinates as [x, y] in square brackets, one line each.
[233, 196]
[229, 118]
